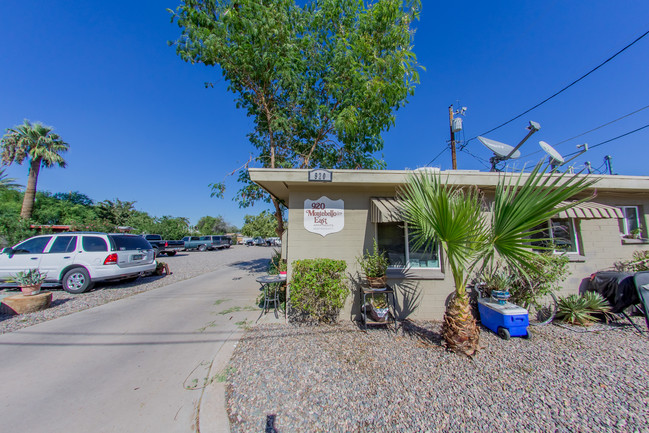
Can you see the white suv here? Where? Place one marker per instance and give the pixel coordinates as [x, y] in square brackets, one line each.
[76, 260]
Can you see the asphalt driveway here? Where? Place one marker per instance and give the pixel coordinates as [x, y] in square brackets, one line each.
[137, 364]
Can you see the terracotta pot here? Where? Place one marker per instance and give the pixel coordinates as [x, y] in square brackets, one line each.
[30, 290]
[377, 282]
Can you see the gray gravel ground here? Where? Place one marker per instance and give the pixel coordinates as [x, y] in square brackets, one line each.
[341, 379]
[183, 266]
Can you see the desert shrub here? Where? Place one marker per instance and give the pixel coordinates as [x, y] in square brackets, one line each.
[550, 270]
[582, 310]
[318, 290]
[277, 264]
[638, 262]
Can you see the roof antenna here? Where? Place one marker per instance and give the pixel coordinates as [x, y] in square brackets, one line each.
[607, 162]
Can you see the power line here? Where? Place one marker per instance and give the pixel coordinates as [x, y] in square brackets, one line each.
[438, 155]
[588, 132]
[601, 126]
[568, 86]
[611, 139]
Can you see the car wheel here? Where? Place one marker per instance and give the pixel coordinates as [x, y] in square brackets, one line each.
[76, 280]
[202, 248]
[171, 253]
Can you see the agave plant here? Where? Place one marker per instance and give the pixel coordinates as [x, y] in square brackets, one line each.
[456, 218]
[582, 310]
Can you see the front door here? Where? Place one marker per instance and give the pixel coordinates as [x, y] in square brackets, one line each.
[25, 256]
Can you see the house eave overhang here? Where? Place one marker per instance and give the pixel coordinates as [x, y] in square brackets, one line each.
[278, 181]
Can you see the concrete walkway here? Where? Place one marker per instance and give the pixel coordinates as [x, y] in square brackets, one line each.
[154, 362]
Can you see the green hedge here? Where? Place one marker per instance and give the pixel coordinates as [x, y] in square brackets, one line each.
[318, 290]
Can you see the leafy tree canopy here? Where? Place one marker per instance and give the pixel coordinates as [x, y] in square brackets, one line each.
[209, 225]
[321, 81]
[74, 197]
[263, 225]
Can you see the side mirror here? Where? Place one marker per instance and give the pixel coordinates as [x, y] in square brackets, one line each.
[8, 251]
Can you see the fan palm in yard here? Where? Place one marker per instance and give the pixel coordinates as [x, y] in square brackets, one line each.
[7, 182]
[471, 233]
[38, 144]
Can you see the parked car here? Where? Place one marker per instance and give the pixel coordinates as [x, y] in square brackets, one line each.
[160, 246]
[76, 260]
[196, 243]
[217, 242]
[259, 241]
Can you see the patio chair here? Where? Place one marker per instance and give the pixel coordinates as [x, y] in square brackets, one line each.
[641, 280]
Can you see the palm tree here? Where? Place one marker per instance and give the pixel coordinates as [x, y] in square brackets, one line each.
[41, 146]
[458, 218]
[7, 182]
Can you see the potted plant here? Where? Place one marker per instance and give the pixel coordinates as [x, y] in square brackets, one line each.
[374, 266]
[30, 281]
[379, 307]
[495, 282]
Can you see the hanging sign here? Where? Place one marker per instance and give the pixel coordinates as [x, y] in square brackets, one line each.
[324, 216]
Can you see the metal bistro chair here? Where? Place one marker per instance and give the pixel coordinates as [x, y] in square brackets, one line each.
[271, 294]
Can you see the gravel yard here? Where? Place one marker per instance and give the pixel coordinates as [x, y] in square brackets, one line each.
[183, 266]
[341, 379]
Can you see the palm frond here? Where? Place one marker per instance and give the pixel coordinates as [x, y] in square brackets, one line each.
[518, 209]
[438, 211]
[7, 182]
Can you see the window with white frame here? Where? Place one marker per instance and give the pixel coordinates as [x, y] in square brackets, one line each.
[631, 220]
[393, 238]
[560, 234]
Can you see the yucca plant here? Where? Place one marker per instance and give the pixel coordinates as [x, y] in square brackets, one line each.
[582, 310]
[455, 217]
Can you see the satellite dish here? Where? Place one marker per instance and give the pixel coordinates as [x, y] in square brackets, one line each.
[555, 157]
[501, 150]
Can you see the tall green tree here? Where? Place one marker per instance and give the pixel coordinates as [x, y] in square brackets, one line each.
[116, 212]
[321, 81]
[209, 225]
[172, 227]
[438, 211]
[41, 146]
[264, 225]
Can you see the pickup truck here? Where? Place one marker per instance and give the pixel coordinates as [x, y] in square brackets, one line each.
[161, 246]
[196, 243]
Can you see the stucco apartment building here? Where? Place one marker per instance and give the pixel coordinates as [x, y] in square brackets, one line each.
[338, 213]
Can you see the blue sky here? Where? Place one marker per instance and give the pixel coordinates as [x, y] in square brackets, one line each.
[142, 127]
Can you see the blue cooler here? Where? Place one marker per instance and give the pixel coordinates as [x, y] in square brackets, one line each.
[506, 320]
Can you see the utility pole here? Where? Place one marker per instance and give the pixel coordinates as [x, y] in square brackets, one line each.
[450, 117]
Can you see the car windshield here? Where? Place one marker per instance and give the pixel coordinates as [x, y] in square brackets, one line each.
[126, 242]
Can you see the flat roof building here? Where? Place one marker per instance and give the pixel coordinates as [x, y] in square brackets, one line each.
[338, 213]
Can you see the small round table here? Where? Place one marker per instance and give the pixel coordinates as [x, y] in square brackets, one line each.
[267, 281]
